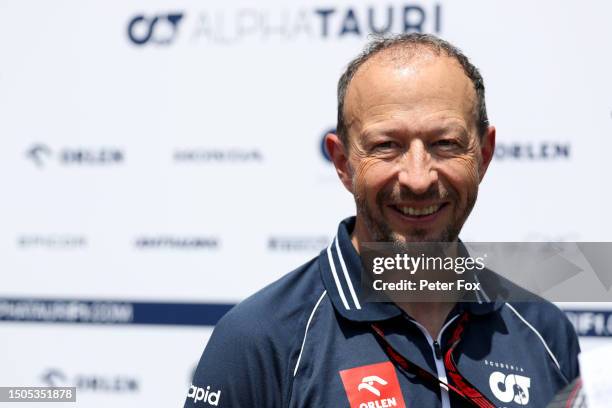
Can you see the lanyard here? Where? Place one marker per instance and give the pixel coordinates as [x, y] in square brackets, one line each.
[457, 383]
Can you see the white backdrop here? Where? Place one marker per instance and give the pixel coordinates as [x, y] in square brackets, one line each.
[160, 161]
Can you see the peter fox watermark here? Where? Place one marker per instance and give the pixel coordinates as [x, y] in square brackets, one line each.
[425, 285]
[508, 271]
[423, 271]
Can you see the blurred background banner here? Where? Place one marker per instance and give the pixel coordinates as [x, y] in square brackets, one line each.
[162, 160]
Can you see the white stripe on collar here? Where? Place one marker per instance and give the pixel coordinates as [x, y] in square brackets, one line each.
[335, 275]
[347, 277]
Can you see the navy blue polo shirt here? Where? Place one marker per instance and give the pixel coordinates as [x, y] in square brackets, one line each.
[306, 341]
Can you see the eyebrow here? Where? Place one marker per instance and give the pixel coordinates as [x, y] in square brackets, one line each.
[395, 132]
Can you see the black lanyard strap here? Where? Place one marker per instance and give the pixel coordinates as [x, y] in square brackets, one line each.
[458, 384]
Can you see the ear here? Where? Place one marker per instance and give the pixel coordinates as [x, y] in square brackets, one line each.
[339, 156]
[487, 147]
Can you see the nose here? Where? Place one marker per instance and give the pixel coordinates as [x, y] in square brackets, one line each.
[416, 171]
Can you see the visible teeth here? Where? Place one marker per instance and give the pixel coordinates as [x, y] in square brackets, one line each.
[420, 211]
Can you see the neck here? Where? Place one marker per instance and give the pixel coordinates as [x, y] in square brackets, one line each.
[359, 234]
[430, 315]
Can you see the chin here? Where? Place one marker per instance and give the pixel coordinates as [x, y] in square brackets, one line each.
[422, 236]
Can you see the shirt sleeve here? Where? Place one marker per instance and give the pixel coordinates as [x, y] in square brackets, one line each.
[240, 367]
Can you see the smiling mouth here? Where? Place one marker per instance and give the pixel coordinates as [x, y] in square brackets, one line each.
[418, 212]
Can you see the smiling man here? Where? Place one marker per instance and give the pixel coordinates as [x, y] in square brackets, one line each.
[413, 144]
[421, 143]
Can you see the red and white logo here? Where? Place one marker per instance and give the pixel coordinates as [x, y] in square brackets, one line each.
[373, 386]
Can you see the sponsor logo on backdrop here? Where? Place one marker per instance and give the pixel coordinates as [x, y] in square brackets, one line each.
[591, 323]
[42, 155]
[69, 311]
[159, 29]
[536, 151]
[296, 244]
[39, 154]
[204, 395]
[176, 242]
[225, 26]
[231, 155]
[51, 241]
[120, 384]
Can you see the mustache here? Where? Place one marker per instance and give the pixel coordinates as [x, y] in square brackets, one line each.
[404, 193]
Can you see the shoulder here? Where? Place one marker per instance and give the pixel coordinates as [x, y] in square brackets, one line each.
[546, 320]
[552, 329]
[540, 321]
[277, 308]
[248, 356]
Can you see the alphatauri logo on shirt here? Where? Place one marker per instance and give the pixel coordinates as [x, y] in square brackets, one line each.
[511, 387]
[204, 394]
[373, 386]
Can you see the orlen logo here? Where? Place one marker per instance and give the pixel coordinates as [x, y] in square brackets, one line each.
[41, 154]
[159, 29]
[204, 395]
[367, 383]
[120, 384]
[511, 387]
[531, 151]
[373, 386]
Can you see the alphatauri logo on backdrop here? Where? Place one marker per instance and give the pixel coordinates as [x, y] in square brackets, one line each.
[161, 29]
[229, 26]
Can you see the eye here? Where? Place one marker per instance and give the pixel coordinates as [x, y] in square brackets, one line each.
[445, 143]
[389, 144]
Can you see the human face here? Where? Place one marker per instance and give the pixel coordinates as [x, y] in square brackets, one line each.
[415, 160]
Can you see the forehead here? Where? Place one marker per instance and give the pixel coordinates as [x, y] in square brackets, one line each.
[423, 89]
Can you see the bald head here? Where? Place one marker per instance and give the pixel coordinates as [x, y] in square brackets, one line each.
[413, 86]
[404, 53]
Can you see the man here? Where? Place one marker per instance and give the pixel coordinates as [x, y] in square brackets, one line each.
[413, 143]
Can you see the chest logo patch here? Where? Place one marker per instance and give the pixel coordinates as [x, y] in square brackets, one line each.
[511, 387]
[373, 386]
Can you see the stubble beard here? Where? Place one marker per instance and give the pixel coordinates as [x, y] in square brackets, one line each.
[380, 231]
